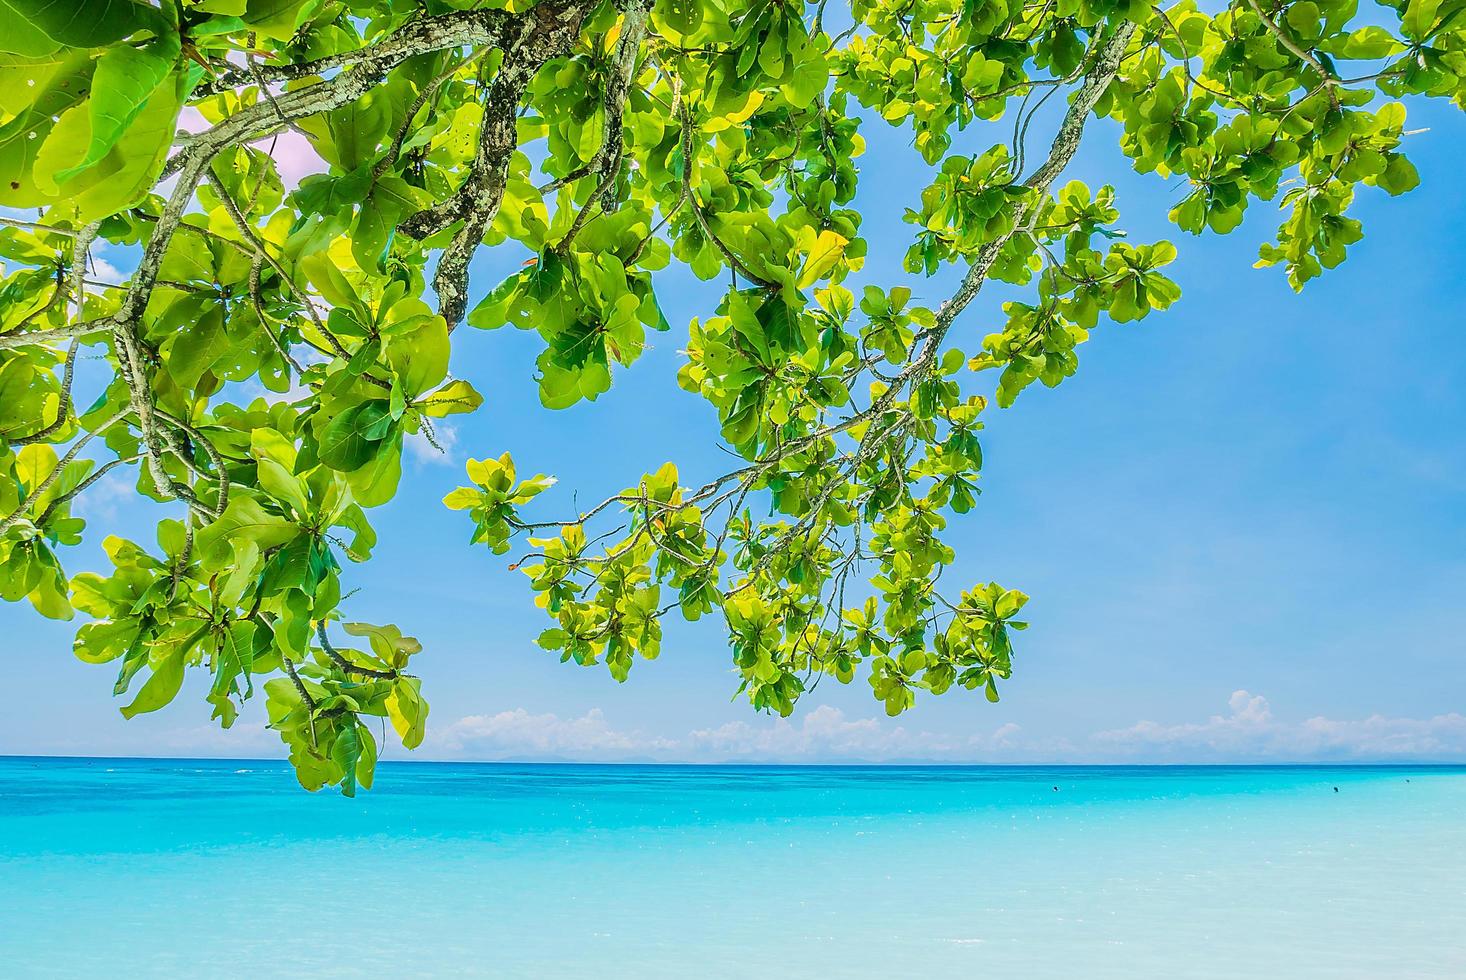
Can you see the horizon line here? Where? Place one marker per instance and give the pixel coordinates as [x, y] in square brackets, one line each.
[771, 764]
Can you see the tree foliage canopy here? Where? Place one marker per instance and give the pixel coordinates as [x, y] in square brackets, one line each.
[603, 139]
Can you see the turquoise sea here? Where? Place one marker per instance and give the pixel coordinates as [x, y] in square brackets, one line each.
[114, 868]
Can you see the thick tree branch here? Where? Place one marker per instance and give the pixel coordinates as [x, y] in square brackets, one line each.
[545, 31]
[607, 162]
[465, 28]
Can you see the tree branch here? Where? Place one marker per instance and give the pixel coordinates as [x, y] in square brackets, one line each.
[607, 161]
[1330, 80]
[10, 520]
[1108, 52]
[541, 33]
[346, 665]
[423, 35]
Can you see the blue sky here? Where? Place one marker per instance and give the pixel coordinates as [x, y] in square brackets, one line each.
[1241, 524]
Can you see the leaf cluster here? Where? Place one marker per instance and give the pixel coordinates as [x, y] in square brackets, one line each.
[272, 346]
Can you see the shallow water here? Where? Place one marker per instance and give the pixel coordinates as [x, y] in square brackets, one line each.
[172, 868]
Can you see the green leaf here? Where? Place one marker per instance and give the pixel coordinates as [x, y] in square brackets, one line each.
[124, 80]
[277, 19]
[823, 254]
[683, 16]
[128, 171]
[808, 79]
[162, 685]
[387, 642]
[55, 85]
[85, 23]
[366, 763]
[408, 711]
[419, 355]
[274, 474]
[346, 752]
[21, 36]
[243, 522]
[354, 437]
[453, 398]
[1420, 18]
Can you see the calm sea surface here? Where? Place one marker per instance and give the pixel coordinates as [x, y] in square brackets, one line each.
[222, 869]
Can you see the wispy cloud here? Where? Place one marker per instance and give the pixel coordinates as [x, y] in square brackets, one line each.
[423, 449]
[152, 737]
[104, 271]
[519, 734]
[102, 499]
[824, 734]
[1249, 731]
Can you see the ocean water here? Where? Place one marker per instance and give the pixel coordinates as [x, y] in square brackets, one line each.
[139, 868]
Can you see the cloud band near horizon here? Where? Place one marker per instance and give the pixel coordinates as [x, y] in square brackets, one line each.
[1248, 732]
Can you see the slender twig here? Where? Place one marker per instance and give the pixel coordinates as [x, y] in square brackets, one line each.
[44, 484]
[1330, 80]
[347, 665]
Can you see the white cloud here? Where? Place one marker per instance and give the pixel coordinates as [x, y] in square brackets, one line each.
[519, 734]
[105, 271]
[823, 734]
[1380, 737]
[423, 450]
[100, 501]
[153, 737]
[1249, 731]
[245, 739]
